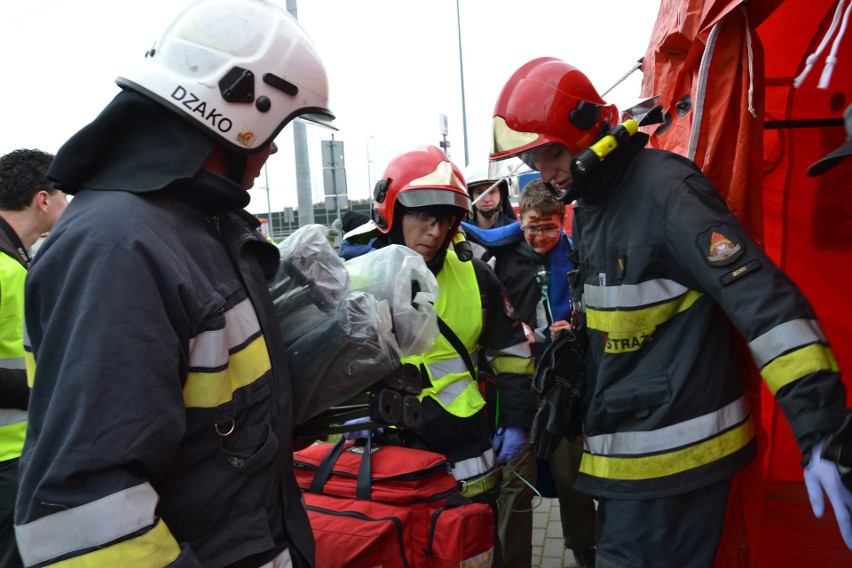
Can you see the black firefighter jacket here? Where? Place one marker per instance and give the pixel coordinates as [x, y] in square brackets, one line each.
[670, 277]
[160, 430]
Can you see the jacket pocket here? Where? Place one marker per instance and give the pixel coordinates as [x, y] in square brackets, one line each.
[638, 395]
[245, 427]
[248, 449]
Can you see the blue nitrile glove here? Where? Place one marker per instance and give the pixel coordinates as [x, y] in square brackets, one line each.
[509, 443]
[822, 475]
[356, 434]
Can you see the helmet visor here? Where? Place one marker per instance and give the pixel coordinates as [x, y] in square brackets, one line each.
[319, 117]
[425, 197]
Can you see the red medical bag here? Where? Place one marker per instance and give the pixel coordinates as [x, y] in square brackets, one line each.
[400, 507]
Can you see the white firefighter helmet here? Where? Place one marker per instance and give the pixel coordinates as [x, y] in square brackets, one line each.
[483, 174]
[239, 69]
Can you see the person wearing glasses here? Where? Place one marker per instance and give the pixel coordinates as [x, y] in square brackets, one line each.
[419, 203]
[532, 263]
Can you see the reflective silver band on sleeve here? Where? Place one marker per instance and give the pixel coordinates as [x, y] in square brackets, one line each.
[86, 526]
[785, 337]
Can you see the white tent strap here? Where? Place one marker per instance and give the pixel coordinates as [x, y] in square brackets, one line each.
[831, 59]
[812, 58]
[701, 90]
[750, 67]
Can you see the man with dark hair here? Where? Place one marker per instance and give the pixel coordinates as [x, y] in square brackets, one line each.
[29, 206]
[160, 429]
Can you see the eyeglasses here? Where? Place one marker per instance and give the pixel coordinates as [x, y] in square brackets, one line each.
[546, 231]
[430, 219]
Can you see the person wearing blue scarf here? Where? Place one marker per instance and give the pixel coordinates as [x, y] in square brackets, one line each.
[532, 259]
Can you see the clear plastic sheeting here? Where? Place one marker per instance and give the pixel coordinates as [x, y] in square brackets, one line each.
[310, 272]
[400, 276]
[336, 355]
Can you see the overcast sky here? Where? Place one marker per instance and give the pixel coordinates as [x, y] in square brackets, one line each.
[393, 68]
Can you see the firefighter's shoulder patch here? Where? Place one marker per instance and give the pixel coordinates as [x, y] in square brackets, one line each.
[721, 245]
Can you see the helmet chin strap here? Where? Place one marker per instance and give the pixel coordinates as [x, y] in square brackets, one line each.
[487, 214]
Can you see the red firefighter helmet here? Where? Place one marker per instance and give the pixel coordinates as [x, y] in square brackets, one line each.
[420, 178]
[547, 100]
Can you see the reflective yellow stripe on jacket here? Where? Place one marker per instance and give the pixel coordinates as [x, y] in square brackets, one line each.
[629, 316]
[791, 351]
[221, 361]
[630, 313]
[224, 360]
[680, 447]
[460, 306]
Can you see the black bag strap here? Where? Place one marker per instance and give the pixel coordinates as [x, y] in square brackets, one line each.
[364, 483]
[454, 340]
[363, 487]
[326, 466]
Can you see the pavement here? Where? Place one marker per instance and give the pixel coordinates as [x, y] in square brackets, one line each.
[548, 549]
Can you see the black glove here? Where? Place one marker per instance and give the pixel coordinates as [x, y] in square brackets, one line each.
[558, 417]
[560, 380]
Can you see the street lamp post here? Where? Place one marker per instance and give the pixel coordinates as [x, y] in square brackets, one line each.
[268, 204]
[461, 71]
[369, 167]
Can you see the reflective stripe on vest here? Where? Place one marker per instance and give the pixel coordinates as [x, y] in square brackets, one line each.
[670, 450]
[456, 365]
[97, 523]
[452, 391]
[16, 363]
[473, 467]
[460, 306]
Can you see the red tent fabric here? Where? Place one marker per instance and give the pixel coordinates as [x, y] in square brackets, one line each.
[724, 71]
